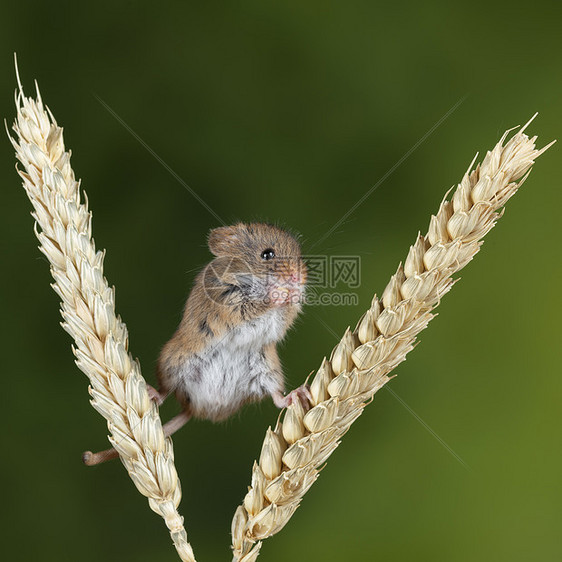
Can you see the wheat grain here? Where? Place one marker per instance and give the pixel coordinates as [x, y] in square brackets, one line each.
[364, 359]
[358, 367]
[117, 387]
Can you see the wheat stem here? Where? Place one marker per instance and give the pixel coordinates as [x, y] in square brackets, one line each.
[364, 359]
[117, 387]
[358, 367]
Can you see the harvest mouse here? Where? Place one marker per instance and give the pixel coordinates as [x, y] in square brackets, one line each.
[223, 354]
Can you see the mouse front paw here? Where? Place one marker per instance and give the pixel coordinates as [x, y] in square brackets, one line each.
[301, 394]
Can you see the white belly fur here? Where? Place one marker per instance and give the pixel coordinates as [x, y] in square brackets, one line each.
[233, 369]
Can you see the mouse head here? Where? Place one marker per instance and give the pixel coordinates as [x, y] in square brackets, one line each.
[263, 260]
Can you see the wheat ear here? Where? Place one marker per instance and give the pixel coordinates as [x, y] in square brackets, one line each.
[117, 387]
[364, 359]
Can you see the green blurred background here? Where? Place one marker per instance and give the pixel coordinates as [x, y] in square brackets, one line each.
[290, 111]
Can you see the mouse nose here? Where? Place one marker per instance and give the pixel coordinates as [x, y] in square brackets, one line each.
[298, 276]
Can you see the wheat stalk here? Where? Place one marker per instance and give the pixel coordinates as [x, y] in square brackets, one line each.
[359, 365]
[364, 359]
[117, 387]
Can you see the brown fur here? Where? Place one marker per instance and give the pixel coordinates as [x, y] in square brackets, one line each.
[224, 296]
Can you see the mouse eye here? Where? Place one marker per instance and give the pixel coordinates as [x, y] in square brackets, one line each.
[268, 254]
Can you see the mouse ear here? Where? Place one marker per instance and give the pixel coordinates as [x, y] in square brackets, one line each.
[222, 239]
